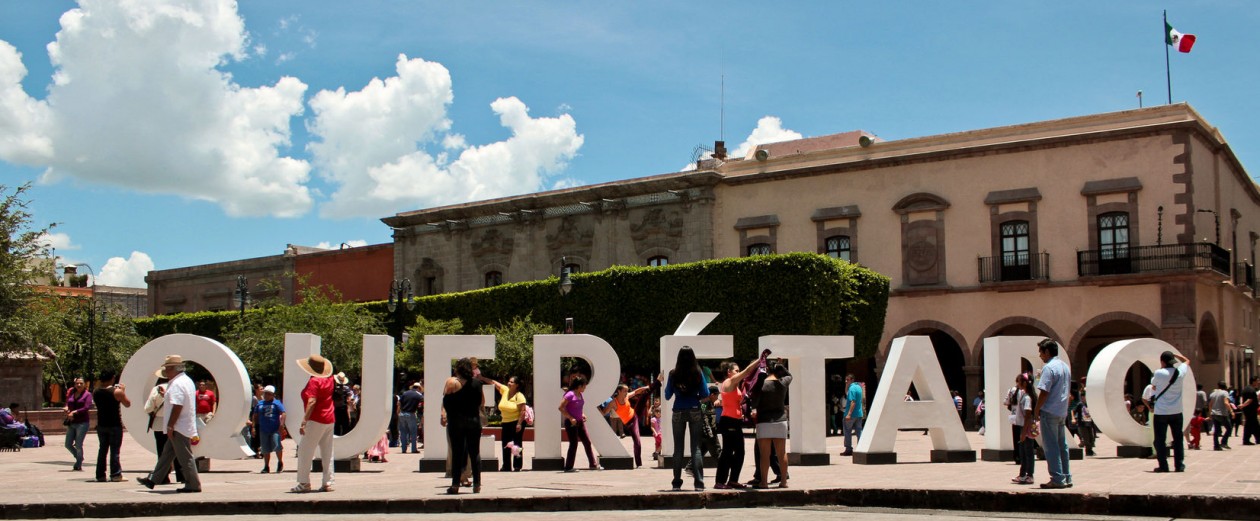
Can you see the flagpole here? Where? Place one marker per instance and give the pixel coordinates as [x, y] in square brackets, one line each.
[1167, 69]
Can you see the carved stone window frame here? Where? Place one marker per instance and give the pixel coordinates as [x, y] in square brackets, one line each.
[834, 221]
[1121, 185]
[770, 223]
[922, 202]
[996, 199]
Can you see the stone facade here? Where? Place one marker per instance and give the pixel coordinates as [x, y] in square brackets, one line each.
[1085, 230]
[457, 248]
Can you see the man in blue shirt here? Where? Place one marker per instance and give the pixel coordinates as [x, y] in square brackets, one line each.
[269, 416]
[1052, 409]
[1169, 380]
[854, 420]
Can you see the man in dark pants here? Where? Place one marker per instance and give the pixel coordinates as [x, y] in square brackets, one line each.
[1168, 383]
[109, 430]
[1222, 410]
[1247, 402]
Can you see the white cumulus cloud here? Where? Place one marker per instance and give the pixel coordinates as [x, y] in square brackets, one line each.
[371, 144]
[769, 130]
[153, 112]
[127, 273]
[325, 245]
[58, 241]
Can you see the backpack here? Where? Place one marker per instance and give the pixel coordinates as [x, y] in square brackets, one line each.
[528, 415]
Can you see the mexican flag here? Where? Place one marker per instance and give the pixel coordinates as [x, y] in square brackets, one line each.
[1181, 42]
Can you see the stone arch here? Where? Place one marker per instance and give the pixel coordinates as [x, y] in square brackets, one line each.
[1103, 329]
[1013, 322]
[920, 325]
[920, 202]
[1114, 316]
[1209, 344]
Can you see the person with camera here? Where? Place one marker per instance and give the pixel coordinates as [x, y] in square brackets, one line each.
[731, 425]
[109, 401]
[1169, 381]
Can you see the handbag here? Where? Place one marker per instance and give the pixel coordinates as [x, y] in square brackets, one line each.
[528, 415]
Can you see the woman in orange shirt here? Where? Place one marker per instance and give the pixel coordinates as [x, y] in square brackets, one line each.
[731, 425]
[621, 405]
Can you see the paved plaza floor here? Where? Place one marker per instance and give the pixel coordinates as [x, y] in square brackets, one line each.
[39, 483]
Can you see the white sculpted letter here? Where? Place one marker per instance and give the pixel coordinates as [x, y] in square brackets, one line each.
[1105, 388]
[377, 383]
[807, 360]
[439, 350]
[1002, 362]
[912, 360]
[221, 438]
[705, 347]
[548, 350]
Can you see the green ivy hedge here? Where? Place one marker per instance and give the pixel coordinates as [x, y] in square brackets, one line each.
[631, 307]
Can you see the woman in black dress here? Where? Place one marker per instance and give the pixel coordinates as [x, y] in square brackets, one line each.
[461, 415]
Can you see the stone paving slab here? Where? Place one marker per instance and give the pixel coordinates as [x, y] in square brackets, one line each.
[38, 483]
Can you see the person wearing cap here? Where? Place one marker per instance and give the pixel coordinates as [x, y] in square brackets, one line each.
[179, 409]
[408, 426]
[1168, 382]
[317, 423]
[269, 416]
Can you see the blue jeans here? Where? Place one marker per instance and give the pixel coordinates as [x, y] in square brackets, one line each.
[407, 431]
[110, 439]
[75, 434]
[852, 428]
[682, 419]
[1054, 434]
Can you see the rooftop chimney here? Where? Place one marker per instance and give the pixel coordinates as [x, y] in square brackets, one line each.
[719, 150]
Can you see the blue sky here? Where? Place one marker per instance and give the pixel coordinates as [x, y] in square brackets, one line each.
[162, 134]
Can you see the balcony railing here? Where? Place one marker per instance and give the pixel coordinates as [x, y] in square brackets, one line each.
[1014, 266]
[1121, 259]
[1244, 275]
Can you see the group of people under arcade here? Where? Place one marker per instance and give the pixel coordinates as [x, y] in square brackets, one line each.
[714, 407]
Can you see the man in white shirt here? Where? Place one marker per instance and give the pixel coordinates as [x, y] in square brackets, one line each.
[1167, 384]
[180, 410]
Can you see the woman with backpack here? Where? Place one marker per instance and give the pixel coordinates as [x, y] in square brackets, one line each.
[686, 386]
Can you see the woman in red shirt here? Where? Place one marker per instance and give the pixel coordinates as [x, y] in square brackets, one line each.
[317, 423]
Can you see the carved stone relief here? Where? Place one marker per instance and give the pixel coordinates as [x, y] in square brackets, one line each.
[658, 229]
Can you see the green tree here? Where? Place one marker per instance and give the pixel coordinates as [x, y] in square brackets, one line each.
[514, 348]
[258, 338]
[409, 356]
[23, 260]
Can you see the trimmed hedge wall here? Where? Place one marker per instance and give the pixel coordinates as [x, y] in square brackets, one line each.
[631, 307]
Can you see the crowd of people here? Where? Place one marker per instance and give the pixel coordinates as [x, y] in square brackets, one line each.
[709, 416]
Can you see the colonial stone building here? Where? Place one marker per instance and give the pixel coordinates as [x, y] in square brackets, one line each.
[1140, 223]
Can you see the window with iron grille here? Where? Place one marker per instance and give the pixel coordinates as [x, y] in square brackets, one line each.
[760, 248]
[837, 247]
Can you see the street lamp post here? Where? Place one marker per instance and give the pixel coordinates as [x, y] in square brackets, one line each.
[92, 308]
[400, 296]
[242, 293]
[566, 286]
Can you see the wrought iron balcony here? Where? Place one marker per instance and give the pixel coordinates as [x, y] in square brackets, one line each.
[1014, 266]
[1244, 275]
[1122, 259]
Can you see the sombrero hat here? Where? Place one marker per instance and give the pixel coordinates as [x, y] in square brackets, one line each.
[341, 379]
[171, 360]
[316, 365]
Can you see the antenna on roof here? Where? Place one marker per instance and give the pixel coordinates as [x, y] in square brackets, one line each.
[722, 112]
[699, 152]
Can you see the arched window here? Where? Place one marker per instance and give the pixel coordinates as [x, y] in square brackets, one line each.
[493, 278]
[658, 261]
[837, 247]
[760, 248]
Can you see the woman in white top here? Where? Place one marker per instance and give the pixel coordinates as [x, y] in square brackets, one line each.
[157, 423]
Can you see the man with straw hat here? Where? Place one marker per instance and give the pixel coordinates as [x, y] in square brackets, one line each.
[317, 423]
[179, 410]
